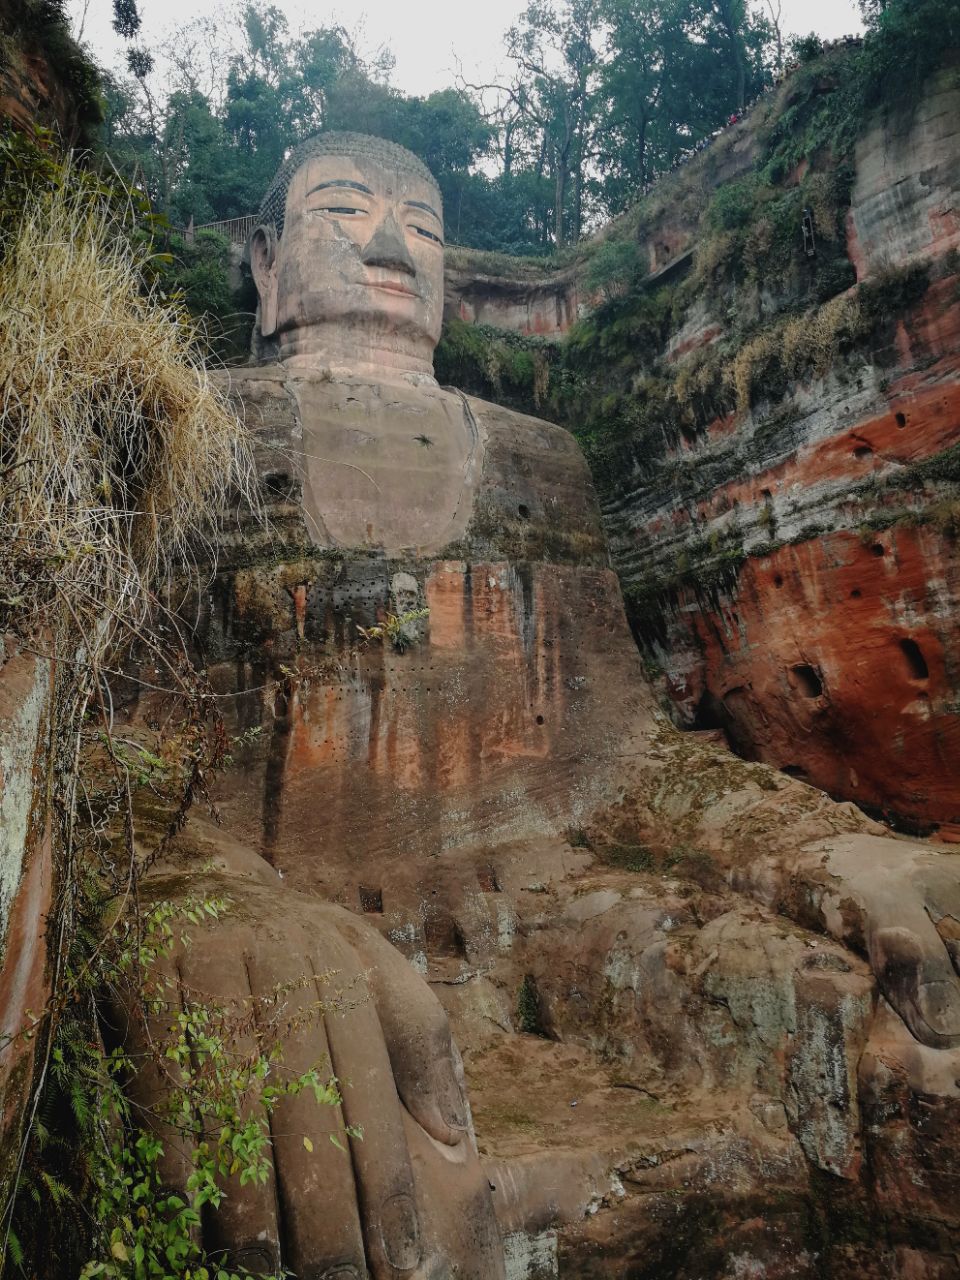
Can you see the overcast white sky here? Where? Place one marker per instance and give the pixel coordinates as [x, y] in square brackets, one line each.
[427, 38]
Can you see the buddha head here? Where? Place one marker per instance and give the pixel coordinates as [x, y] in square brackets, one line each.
[348, 258]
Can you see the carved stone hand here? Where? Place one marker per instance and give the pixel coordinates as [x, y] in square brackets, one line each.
[410, 1198]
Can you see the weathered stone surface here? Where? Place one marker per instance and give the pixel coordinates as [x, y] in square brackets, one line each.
[910, 1098]
[662, 964]
[544, 306]
[830, 647]
[484, 728]
[908, 174]
[26, 877]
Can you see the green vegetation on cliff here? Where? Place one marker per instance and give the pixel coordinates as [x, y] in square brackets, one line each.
[38, 31]
[785, 314]
[510, 368]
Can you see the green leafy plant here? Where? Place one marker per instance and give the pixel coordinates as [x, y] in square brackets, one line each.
[513, 368]
[398, 629]
[528, 1007]
[224, 1065]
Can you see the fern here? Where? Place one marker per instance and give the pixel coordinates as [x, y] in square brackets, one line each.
[15, 1248]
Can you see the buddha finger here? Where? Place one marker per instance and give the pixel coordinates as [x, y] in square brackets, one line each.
[883, 882]
[917, 976]
[426, 1065]
[460, 1222]
[371, 1105]
[941, 891]
[315, 1186]
[221, 1011]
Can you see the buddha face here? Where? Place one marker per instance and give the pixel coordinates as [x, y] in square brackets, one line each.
[356, 277]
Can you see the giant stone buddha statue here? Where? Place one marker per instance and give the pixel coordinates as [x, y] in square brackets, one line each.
[348, 262]
[398, 797]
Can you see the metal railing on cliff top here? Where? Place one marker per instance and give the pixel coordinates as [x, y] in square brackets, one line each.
[236, 230]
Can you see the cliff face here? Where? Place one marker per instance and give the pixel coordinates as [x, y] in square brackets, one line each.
[25, 878]
[775, 436]
[45, 78]
[830, 646]
[543, 303]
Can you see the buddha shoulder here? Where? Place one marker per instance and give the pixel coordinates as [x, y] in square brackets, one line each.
[411, 467]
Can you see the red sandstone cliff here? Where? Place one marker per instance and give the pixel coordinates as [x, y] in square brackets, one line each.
[832, 649]
[786, 539]
[46, 80]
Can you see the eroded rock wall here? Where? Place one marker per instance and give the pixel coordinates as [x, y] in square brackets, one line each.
[788, 547]
[46, 81]
[828, 645]
[26, 877]
[546, 305]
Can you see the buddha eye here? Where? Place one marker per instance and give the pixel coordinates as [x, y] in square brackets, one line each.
[427, 235]
[341, 209]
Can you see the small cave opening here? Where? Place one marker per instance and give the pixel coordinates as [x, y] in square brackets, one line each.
[709, 713]
[902, 824]
[277, 483]
[808, 679]
[901, 420]
[731, 715]
[371, 900]
[794, 771]
[879, 549]
[856, 593]
[862, 451]
[778, 580]
[523, 511]
[539, 719]
[916, 662]
[443, 935]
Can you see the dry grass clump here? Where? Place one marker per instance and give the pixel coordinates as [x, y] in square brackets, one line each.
[117, 456]
[805, 345]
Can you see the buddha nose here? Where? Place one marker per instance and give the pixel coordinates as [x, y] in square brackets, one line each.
[386, 248]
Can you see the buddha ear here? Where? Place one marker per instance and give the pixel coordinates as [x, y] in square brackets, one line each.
[263, 264]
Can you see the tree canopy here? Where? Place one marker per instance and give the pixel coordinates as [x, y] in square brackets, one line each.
[600, 96]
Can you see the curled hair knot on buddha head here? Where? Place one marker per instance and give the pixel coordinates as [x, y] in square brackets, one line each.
[359, 145]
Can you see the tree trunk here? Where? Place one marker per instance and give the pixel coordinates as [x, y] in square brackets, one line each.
[560, 190]
[728, 17]
[577, 228]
